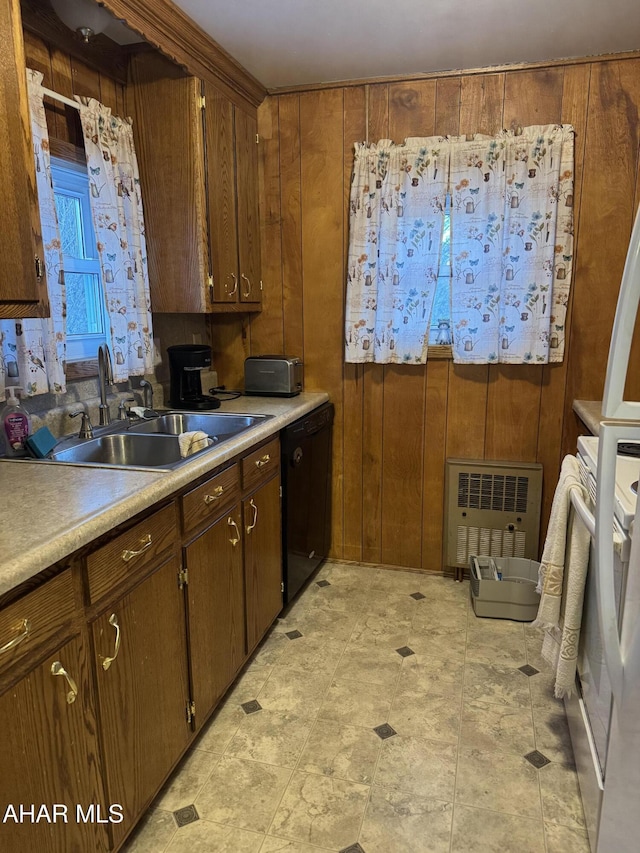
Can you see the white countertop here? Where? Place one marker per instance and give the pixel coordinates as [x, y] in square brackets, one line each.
[50, 510]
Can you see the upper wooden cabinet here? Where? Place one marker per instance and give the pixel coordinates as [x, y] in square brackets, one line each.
[23, 290]
[198, 160]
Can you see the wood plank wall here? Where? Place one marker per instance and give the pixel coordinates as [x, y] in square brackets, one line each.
[69, 76]
[396, 425]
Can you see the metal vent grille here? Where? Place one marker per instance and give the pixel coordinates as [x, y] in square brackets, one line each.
[491, 509]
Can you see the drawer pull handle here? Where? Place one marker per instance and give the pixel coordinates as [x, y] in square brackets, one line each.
[106, 663]
[255, 516]
[246, 293]
[26, 627]
[217, 494]
[234, 541]
[235, 285]
[146, 543]
[58, 669]
[264, 460]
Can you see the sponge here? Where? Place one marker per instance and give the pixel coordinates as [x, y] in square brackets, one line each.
[41, 443]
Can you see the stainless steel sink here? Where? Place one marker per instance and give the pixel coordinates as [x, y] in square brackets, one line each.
[217, 425]
[124, 449]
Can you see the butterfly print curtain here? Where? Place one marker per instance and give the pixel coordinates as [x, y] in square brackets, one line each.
[32, 350]
[116, 208]
[511, 246]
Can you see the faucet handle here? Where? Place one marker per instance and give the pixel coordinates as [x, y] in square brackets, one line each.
[122, 407]
[86, 430]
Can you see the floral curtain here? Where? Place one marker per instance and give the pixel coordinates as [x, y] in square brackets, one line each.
[32, 351]
[119, 226]
[511, 244]
[397, 205]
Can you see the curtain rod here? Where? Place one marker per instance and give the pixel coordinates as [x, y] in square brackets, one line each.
[61, 98]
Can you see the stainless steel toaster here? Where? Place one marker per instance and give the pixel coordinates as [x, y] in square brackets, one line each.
[273, 375]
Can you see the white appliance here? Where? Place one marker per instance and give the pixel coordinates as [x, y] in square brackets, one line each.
[604, 716]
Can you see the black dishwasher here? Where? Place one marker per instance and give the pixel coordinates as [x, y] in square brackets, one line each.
[306, 496]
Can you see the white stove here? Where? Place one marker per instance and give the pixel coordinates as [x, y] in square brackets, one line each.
[627, 475]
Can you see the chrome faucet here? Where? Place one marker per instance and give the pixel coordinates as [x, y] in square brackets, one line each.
[105, 377]
[147, 390]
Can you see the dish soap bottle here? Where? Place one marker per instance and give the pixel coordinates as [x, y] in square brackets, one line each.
[15, 424]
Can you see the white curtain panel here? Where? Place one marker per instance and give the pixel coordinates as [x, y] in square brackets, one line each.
[32, 350]
[511, 245]
[397, 205]
[116, 207]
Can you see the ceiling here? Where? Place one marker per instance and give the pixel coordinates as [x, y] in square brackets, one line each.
[291, 42]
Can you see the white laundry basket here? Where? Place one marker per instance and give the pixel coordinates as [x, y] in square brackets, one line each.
[504, 587]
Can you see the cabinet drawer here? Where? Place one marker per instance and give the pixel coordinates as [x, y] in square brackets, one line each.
[208, 500]
[138, 548]
[36, 617]
[261, 464]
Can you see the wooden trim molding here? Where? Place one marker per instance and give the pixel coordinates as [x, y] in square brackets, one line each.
[81, 369]
[164, 25]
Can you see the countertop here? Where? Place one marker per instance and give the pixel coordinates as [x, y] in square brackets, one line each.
[590, 413]
[50, 510]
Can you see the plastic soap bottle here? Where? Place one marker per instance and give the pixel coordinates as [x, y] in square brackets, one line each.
[14, 424]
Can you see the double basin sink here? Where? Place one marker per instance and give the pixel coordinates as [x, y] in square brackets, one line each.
[154, 443]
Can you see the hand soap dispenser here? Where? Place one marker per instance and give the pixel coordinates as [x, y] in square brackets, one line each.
[15, 424]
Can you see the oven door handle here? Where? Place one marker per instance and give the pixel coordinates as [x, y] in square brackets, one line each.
[583, 511]
[610, 435]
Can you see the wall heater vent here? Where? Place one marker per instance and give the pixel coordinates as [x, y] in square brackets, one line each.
[491, 509]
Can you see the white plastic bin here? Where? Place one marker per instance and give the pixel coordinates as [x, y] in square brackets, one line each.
[512, 597]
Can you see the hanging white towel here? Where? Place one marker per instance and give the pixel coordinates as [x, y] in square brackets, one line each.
[192, 442]
[560, 618]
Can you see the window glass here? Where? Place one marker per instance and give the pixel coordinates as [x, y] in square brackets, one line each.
[85, 301]
[441, 311]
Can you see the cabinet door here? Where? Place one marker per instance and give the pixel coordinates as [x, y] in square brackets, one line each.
[21, 290]
[169, 146]
[48, 754]
[141, 663]
[246, 129]
[262, 559]
[222, 195]
[216, 610]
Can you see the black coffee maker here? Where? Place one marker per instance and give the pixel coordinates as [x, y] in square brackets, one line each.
[185, 391]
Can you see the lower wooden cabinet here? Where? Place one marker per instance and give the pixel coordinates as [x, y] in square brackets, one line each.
[140, 659]
[49, 759]
[261, 519]
[216, 610]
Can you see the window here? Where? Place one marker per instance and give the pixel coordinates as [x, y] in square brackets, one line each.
[441, 310]
[85, 303]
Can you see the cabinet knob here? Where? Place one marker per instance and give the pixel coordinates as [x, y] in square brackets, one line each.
[264, 460]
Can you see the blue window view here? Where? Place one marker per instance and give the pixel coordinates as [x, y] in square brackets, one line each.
[85, 301]
[441, 311]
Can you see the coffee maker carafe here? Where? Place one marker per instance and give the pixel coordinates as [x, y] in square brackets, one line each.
[185, 363]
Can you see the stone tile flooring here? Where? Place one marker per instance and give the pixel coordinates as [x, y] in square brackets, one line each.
[374, 719]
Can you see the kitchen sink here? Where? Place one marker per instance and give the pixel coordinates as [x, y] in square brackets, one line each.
[124, 449]
[218, 426]
[153, 444]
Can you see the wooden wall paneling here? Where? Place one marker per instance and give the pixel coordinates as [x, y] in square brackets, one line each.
[322, 176]
[435, 443]
[230, 345]
[481, 100]
[67, 120]
[606, 217]
[353, 374]
[267, 328]
[37, 56]
[291, 213]
[86, 81]
[412, 109]
[108, 93]
[121, 100]
[575, 92]
[632, 389]
[373, 382]
[447, 119]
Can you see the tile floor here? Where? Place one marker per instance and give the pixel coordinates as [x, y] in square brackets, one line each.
[379, 715]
